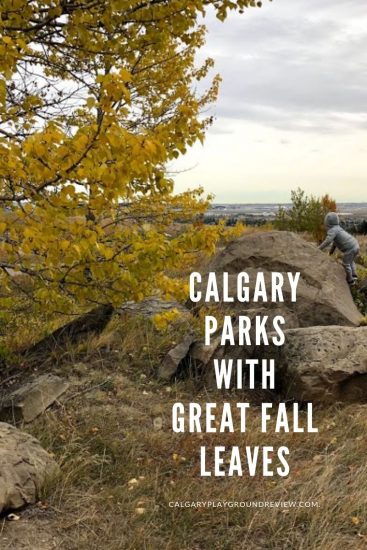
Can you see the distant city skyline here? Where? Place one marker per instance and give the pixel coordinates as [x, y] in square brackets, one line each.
[284, 203]
[292, 110]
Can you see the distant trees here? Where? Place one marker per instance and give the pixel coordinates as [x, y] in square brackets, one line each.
[306, 214]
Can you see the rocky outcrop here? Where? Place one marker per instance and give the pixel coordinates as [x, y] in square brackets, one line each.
[201, 357]
[25, 466]
[31, 399]
[324, 358]
[321, 364]
[323, 295]
[150, 307]
[84, 326]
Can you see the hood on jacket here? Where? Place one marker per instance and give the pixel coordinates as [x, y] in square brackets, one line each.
[331, 219]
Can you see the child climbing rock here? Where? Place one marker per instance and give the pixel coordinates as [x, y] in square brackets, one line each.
[341, 239]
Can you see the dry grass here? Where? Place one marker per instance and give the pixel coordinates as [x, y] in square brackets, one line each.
[362, 239]
[104, 438]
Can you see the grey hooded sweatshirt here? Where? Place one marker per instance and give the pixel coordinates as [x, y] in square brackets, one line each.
[337, 236]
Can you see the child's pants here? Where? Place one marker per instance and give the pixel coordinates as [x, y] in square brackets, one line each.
[348, 263]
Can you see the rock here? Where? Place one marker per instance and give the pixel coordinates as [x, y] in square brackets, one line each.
[323, 296]
[25, 466]
[31, 399]
[92, 322]
[150, 307]
[175, 356]
[321, 364]
[153, 306]
[201, 357]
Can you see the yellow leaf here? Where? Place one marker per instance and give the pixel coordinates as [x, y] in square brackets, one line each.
[125, 75]
[90, 102]
[28, 232]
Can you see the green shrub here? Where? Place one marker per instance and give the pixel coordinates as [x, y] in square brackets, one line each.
[306, 214]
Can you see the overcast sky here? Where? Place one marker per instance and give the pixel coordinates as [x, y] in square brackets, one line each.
[292, 109]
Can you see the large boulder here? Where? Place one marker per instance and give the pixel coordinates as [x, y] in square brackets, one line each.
[324, 357]
[200, 358]
[323, 295]
[25, 466]
[321, 364]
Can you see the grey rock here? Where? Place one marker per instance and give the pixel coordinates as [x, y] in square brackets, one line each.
[175, 356]
[202, 356]
[323, 296]
[25, 466]
[31, 399]
[150, 307]
[324, 358]
[321, 364]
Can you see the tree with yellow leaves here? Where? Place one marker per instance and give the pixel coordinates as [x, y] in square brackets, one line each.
[96, 97]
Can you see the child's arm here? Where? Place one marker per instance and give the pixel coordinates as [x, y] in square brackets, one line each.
[332, 249]
[329, 239]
